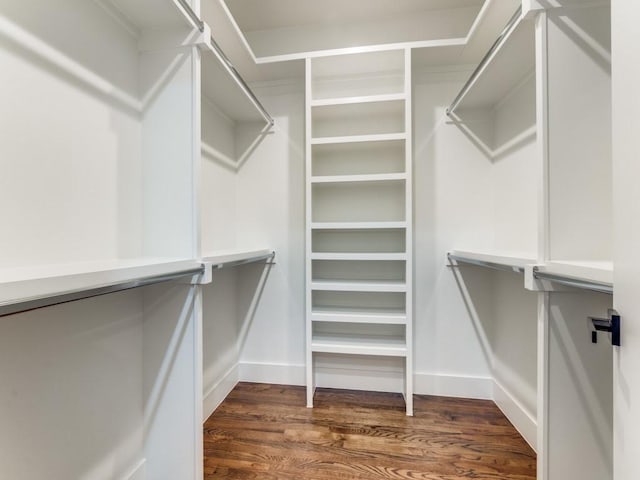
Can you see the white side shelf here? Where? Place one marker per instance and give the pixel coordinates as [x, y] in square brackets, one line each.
[516, 263]
[597, 272]
[153, 14]
[359, 286]
[24, 288]
[505, 68]
[391, 346]
[387, 316]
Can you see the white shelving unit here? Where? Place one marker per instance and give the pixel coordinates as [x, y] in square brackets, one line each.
[359, 210]
[559, 57]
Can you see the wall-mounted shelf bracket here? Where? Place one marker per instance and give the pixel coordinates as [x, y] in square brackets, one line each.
[610, 325]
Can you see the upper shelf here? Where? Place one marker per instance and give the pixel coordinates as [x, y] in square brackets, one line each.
[490, 260]
[589, 275]
[154, 14]
[24, 289]
[232, 258]
[222, 84]
[508, 63]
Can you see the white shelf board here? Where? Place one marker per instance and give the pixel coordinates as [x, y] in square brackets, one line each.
[358, 225]
[379, 137]
[589, 271]
[506, 69]
[374, 177]
[19, 285]
[152, 14]
[392, 346]
[359, 285]
[387, 316]
[507, 261]
[359, 256]
[222, 257]
[325, 102]
[222, 89]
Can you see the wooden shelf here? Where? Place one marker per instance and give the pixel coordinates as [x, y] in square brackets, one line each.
[359, 285]
[505, 69]
[359, 256]
[391, 346]
[376, 177]
[359, 138]
[388, 316]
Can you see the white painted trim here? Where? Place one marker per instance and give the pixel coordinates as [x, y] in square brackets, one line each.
[274, 373]
[522, 419]
[215, 395]
[445, 385]
[447, 42]
[137, 472]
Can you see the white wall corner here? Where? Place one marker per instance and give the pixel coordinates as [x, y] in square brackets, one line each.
[453, 386]
[215, 395]
[522, 419]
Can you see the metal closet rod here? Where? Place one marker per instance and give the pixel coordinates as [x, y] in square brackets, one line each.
[476, 73]
[573, 282]
[34, 303]
[247, 90]
[481, 263]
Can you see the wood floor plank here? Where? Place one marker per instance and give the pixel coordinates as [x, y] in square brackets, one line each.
[266, 432]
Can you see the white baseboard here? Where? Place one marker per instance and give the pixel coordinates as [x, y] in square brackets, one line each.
[137, 472]
[214, 396]
[274, 373]
[521, 418]
[453, 386]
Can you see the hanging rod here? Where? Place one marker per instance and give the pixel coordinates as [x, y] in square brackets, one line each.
[228, 65]
[49, 300]
[486, 264]
[476, 73]
[583, 284]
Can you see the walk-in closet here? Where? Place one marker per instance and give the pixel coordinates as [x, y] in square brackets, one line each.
[292, 239]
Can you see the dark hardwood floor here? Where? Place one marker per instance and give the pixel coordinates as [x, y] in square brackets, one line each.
[266, 432]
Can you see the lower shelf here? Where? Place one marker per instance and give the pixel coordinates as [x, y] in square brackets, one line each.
[388, 316]
[388, 346]
[359, 285]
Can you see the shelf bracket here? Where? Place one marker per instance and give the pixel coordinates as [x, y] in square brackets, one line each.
[610, 325]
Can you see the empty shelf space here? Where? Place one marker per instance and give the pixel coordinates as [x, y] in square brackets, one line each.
[358, 256]
[359, 158]
[380, 177]
[492, 260]
[358, 119]
[352, 344]
[359, 285]
[392, 316]
[381, 137]
[344, 76]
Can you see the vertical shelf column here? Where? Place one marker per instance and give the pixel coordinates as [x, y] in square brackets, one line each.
[358, 221]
